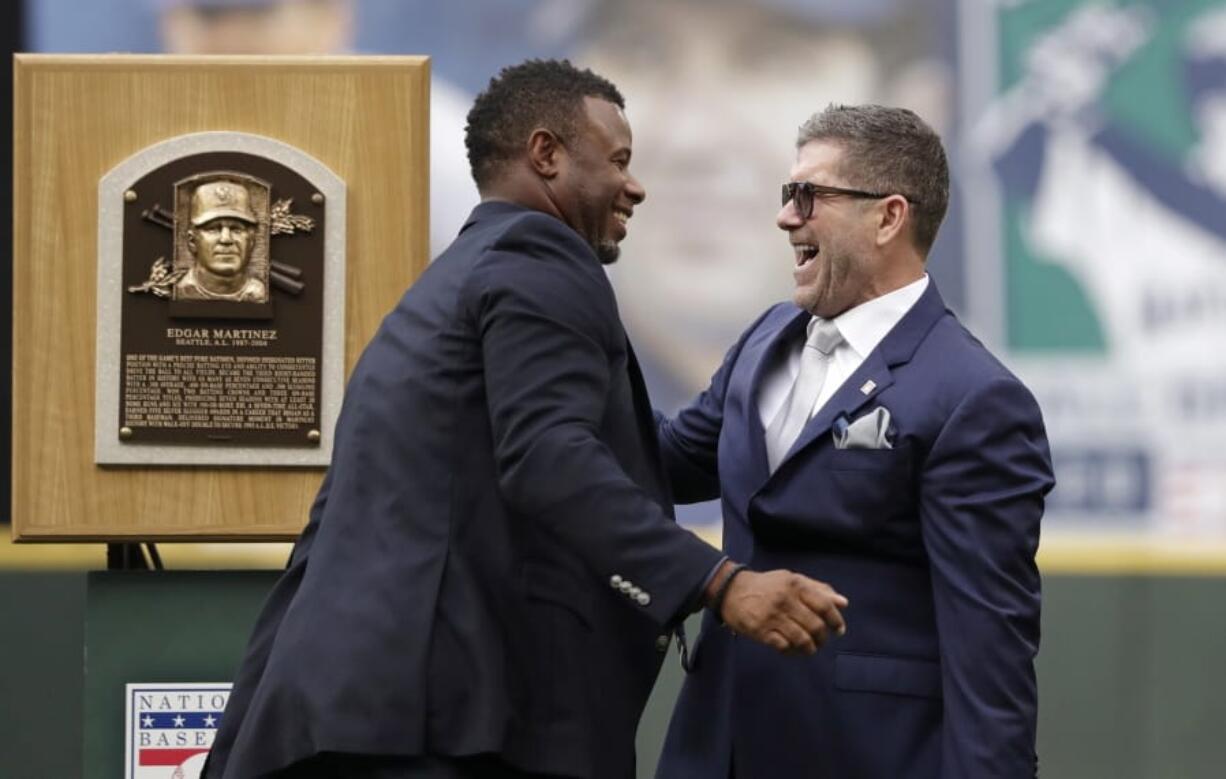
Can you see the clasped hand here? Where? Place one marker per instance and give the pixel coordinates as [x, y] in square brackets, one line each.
[784, 610]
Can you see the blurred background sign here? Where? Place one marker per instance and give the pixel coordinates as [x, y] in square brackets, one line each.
[1095, 173]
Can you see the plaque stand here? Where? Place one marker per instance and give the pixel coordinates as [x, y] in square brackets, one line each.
[132, 557]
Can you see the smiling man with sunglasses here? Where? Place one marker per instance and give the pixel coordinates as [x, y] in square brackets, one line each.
[862, 436]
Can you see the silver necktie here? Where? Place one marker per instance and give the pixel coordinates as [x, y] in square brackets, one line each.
[823, 338]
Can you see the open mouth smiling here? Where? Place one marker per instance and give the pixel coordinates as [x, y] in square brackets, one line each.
[805, 253]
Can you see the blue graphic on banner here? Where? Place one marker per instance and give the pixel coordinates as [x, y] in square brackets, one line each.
[181, 719]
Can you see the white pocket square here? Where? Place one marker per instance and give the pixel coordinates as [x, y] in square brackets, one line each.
[868, 432]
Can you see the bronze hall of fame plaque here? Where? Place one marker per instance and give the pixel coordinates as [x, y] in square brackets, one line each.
[220, 304]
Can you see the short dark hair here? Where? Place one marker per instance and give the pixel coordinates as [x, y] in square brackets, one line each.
[522, 98]
[888, 150]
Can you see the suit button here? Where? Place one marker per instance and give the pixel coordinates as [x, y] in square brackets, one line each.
[625, 586]
[634, 593]
[615, 580]
[642, 598]
[662, 642]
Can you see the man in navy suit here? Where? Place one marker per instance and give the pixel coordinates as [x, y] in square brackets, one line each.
[490, 575]
[862, 436]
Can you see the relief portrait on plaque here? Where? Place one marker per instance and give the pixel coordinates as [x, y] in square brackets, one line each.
[217, 337]
[224, 246]
[222, 222]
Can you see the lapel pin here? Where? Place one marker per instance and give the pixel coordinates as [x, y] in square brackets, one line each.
[868, 387]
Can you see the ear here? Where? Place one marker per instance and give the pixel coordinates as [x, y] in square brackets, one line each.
[893, 214]
[545, 153]
[191, 240]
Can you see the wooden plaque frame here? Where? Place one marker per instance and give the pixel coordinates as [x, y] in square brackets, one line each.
[76, 117]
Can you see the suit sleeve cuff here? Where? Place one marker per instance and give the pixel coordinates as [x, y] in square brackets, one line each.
[695, 602]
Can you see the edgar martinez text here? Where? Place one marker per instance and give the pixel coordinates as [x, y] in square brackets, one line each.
[220, 336]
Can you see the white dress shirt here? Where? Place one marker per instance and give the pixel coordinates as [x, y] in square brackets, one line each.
[862, 327]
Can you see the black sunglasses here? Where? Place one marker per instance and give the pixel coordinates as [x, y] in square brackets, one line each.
[804, 193]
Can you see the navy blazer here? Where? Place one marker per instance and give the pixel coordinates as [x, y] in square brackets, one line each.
[495, 466]
[933, 542]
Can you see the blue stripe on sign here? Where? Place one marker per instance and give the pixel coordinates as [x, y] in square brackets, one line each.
[190, 719]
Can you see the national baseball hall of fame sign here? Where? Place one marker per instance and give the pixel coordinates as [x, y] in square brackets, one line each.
[220, 305]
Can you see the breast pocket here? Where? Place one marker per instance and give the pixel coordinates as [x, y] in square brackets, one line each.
[879, 460]
[872, 485]
[849, 492]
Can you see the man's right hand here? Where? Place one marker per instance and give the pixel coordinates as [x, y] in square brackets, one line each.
[784, 610]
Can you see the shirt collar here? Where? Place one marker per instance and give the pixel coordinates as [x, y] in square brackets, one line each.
[864, 326]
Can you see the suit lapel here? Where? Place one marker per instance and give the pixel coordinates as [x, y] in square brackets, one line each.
[874, 375]
[765, 356]
[867, 382]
